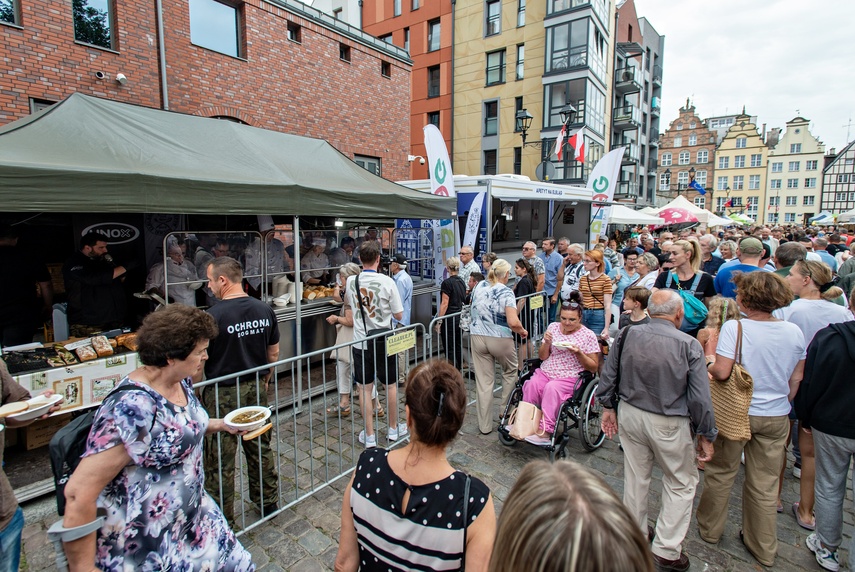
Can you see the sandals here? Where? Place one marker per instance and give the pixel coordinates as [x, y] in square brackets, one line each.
[339, 410]
[381, 413]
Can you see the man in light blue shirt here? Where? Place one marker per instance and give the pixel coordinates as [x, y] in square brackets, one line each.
[552, 261]
[820, 246]
[405, 288]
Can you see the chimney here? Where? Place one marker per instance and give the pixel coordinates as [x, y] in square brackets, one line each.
[832, 151]
[763, 134]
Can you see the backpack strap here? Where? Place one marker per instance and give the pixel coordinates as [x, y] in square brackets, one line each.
[696, 281]
[669, 280]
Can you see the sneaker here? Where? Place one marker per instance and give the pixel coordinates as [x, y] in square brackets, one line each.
[369, 441]
[401, 431]
[824, 557]
[797, 470]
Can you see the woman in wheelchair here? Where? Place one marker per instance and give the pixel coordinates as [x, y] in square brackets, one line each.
[568, 348]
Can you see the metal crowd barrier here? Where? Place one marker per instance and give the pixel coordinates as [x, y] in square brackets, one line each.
[311, 448]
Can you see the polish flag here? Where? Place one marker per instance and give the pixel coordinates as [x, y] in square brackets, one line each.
[577, 141]
[559, 143]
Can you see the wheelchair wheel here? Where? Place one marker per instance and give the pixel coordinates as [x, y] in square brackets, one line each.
[506, 439]
[590, 415]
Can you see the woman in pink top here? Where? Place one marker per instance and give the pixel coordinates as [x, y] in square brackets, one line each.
[567, 350]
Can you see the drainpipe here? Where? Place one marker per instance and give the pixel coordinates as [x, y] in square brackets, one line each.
[451, 138]
[161, 52]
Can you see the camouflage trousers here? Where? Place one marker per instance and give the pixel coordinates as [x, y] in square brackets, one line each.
[220, 449]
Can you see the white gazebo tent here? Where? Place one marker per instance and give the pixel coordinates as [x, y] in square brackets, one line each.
[704, 216]
[619, 214]
[846, 218]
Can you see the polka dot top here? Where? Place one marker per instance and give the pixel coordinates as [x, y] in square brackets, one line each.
[428, 535]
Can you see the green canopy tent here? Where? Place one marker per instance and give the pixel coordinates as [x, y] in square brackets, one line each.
[87, 154]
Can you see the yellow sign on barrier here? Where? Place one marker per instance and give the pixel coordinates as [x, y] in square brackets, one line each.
[536, 302]
[402, 342]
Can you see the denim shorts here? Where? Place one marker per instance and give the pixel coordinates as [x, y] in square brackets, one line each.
[594, 320]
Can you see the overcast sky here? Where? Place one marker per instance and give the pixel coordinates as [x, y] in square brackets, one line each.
[773, 56]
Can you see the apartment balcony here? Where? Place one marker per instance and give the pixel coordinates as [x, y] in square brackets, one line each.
[653, 139]
[657, 75]
[655, 107]
[630, 153]
[626, 190]
[627, 80]
[626, 117]
[652, 164]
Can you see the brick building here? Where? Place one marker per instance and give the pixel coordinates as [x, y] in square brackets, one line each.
[275, 64]
[687, 144]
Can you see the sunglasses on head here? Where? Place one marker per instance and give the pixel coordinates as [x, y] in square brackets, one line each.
[571, 305]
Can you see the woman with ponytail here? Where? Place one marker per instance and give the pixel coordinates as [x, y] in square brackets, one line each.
[686, 274]
[408, 508]
[811, 312]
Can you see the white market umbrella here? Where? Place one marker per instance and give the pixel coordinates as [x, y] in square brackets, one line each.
[620, 214]
[846, 218]
[681, 202]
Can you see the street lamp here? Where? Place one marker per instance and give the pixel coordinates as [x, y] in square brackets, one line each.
[524, 119]
[523, 124]
[668, 178]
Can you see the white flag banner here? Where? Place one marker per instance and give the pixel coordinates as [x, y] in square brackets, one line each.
[446, 241]
[473, 222]
[602, 182]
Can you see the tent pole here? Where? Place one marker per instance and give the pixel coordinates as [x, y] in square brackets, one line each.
[298, 403]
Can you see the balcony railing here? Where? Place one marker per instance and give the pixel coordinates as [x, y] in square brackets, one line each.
[653, 139]
[626, 117]
[626, 189]
[657, 74]
[627, 80]
[630, 153]
[655, 108]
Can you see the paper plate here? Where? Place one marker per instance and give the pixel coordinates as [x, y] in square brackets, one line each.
[38, 406]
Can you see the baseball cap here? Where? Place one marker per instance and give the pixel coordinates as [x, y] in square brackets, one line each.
[750, 245]
[400, 259]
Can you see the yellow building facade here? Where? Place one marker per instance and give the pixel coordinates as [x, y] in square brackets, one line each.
[794, 176]
[740, 171]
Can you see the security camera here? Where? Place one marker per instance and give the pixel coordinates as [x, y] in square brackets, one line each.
[100, 75]
[421, 160]
[120, 77]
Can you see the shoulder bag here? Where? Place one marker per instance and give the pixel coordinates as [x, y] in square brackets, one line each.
[732, 398]
[373, 345]
[343, 335]
[695, 310]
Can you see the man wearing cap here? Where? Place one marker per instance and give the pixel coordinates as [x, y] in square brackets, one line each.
[313, 261]
[749, 252]
[404, 283]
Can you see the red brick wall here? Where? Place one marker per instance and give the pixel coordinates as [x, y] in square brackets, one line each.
[304, 88]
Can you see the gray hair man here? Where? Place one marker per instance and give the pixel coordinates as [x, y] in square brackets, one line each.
[710, 263]
[467, 263]
[529, 252]
[571, 271]
[662, 393]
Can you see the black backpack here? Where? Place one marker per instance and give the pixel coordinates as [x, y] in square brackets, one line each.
[69, 444]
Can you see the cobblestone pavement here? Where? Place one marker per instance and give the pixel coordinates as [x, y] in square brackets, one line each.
[305, 536]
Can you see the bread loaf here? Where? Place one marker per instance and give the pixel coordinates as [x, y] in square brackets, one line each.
[86, 353]
[128, 340]
[102, 346]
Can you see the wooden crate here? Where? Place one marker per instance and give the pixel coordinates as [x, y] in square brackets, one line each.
[39, 433]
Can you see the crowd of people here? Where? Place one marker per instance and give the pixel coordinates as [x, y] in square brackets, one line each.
[767, 303]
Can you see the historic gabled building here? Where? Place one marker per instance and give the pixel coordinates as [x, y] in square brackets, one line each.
[740, 171]
[793, 176]
[838, 188]
[686, 151]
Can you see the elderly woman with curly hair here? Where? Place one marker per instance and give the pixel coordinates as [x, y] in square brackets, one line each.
[143, 462]
[773, 353]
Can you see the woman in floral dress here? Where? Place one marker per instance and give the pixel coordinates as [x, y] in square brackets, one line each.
[159, 516]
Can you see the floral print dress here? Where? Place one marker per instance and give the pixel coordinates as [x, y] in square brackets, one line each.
[159, 516]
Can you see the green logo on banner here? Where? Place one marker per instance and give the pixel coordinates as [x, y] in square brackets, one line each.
[440, 171]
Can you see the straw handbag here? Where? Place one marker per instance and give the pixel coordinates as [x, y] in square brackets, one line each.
[525, 420]
[732, 397]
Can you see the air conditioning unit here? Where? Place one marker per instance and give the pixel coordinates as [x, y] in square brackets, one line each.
[628, 74]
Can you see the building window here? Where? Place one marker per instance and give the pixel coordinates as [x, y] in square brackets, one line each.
[777, 167]
[407, 39]
[433, 81]
[772, 217]
[792, 200]
[741, 142]
[490, 158]
[810, 165]
[738, 182]
[724, 162]
[433, 35]
[294, 32]
[93, 20]
[664, 182]
[368, 163]
[678, 141]
[753, 182]
[683, 180]
[774, 201]
[37, 105]
[496, 67]
[756, 159]
[796, 148]
[679, 127]
[701, 178]
[808, 201]
[665, 161]
[386, 69]
[344, 52]
[775, 184]
[521, 14]
[810, 183]
[719, 204]
[793, 166]
[520, 61]
[703, 156]
[433, 118]
[753, 204]
[683, 158]
[387, 38]
[837, 197]
[518, 105]
[491, 118]
[789, 217]
[700, 201]
[416, 4]
[567, 46]
[693, 139]
[738, 161]
[493, 14]
[843, 178]
[792, 183]
[692, 124]
[397, 7]
[517, 160]
[721, 184]
[9, 11]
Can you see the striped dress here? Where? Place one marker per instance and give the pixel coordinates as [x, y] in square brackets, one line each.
[428, 535]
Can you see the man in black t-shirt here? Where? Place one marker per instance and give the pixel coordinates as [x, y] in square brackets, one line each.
[248, 338]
